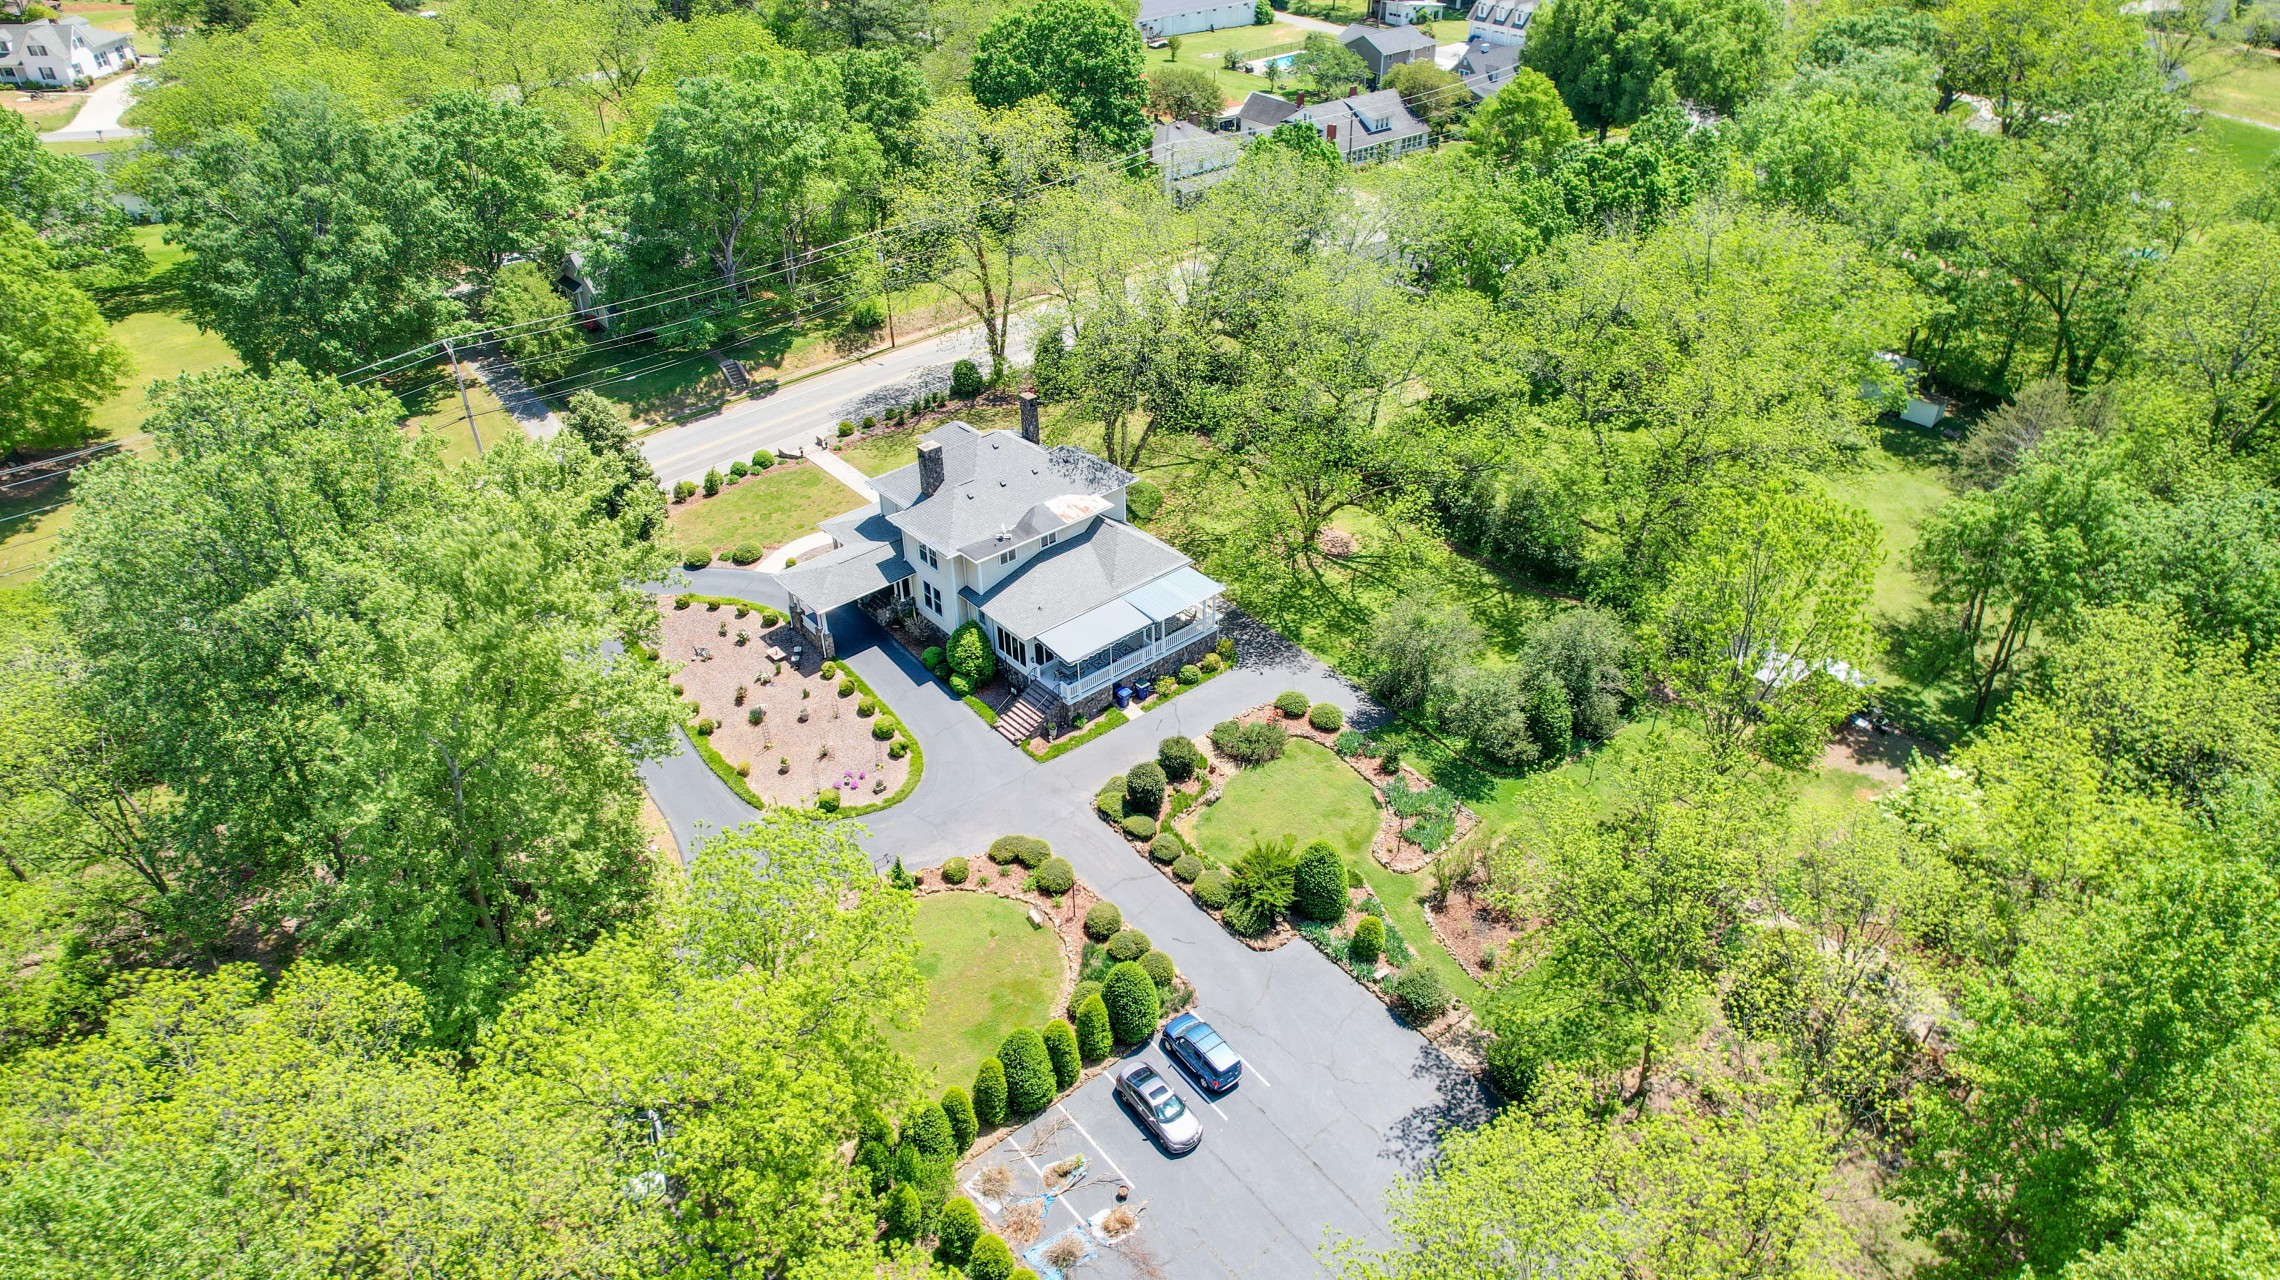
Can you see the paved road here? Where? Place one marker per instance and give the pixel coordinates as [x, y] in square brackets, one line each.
[1343, 1097]
[813, 407]
[98, 117]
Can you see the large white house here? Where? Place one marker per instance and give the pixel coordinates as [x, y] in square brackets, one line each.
[57, 53]
[1031, 543]
[1184, 17]
[1500, 21]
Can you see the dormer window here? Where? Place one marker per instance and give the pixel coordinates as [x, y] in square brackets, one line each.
[1048, 540]
[1006, 557]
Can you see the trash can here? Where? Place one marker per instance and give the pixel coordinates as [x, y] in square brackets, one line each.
[1124, 695]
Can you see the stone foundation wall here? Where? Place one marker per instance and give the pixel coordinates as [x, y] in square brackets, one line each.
[1058, 720]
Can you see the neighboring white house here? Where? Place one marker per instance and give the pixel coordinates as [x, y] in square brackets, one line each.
[1188, 159]
[1031, 543]
[1402, 13]
[1500, 21]
[1365, 127]
[58, 53]
[1181, 17]
[1486, 67]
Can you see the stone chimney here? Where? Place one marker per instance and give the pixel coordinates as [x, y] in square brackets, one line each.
[929, 468]
[1029, 428]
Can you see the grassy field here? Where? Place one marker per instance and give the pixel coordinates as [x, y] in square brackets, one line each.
[2248, 148]
[2238, 82]
[1904, 481]
[767, 510]
[987, 972]
[448, 419]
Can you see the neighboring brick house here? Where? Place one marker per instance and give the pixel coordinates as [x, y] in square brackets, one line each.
[1366, 128]
[1030, 542]
[58, 53]
[1385, 48]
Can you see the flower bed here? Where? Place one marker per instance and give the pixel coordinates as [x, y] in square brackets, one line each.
[816, 742]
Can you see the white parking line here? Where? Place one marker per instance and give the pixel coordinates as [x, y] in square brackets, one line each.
[1252, 1073]
[1063, 1201]
[1111, 1160]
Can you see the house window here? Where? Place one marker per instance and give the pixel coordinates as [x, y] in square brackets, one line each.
[1012, 646]
[926, 554]
[933, 598]
[1006, 557]
[1049, 540]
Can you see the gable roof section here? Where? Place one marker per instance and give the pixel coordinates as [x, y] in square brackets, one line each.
[1087, 571]
[993, 483]
[1155, 10]
[1386, 40]
[1265, 110]
[848, 574]
[1365, 119]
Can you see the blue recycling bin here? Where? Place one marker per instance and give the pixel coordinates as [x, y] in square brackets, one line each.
[1124, 695]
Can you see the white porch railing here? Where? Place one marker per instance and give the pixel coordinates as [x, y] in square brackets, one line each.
[1151, 655]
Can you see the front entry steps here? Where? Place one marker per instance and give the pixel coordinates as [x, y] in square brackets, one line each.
[1021, 721]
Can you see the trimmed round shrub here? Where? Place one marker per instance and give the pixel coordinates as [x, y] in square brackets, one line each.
[1140, 827]
[1212, 889]
[1167, 847]
[1291, 703]
[684, 490]
[1109, 803]
[1159, 968]
[739, 469]
[1191, 674]
[897, 749]
[1144, 789]
[1318, 886]
[956, 1231]
[1128, 944]
[1028, 1072]
[1029, 851]
[866, 707]
[954, 871]
[1326, 718]
[1056, 876]
[932, 658]
[968, 653]
[990, 1260]
[1080, 993]
[828, 801]
[696, 557]
[1187, 868]
[1134, 1007]
[847, 686]
[989, 1093]
[901, 1213]
[883, 728]
[763, 460]
[1368, 942]
[1211, 663]
[960, 685]
[965, 380]
[1179, 758]
[870, 423]
[960, 1109]
[1165, 686]
[1061, 1047]
[1095, 1037]
[1102, 921]
[1419, 992]
[1142, 500]
[931, 1131]
[745, 553]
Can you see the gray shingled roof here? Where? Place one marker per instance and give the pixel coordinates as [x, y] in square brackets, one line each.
[1386, 40]
[992, 481]
[849, 573]
[1354, 115]
[1265, 110]
[1077, 576]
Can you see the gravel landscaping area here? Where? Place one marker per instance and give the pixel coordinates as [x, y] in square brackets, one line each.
[809, 737]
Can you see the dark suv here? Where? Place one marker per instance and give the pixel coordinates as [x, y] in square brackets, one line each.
[1199, 1048]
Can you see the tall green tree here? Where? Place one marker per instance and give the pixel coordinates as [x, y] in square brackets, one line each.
[68, 202]
[1082, 55]
[1329, 66]
[962, 218]
[2213, 330]
[496, 170]
[391, 712]
[1523, 123]
[311, 238]
[1608, 56]
[1764, 616]
[58, 360]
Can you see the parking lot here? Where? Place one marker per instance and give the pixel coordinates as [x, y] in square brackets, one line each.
[1290, 1160]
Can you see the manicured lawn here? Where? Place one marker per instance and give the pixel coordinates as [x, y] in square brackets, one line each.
[149, 321]
[878, 454]
[2238, 82]
[1307, 795]
[987, 972]
[2249, 148]
[768, 510]
[1901, 485]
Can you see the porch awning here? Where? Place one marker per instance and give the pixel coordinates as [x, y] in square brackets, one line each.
[1094, 630]
[1166, 597]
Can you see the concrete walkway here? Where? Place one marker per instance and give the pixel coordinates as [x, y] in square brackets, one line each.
[838, 469]
[798, 549]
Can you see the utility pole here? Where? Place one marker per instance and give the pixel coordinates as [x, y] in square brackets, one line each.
[464, 406]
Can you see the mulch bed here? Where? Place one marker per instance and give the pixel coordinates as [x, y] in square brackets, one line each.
[791, 762]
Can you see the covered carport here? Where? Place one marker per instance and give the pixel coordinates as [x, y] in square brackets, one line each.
[849, 574]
